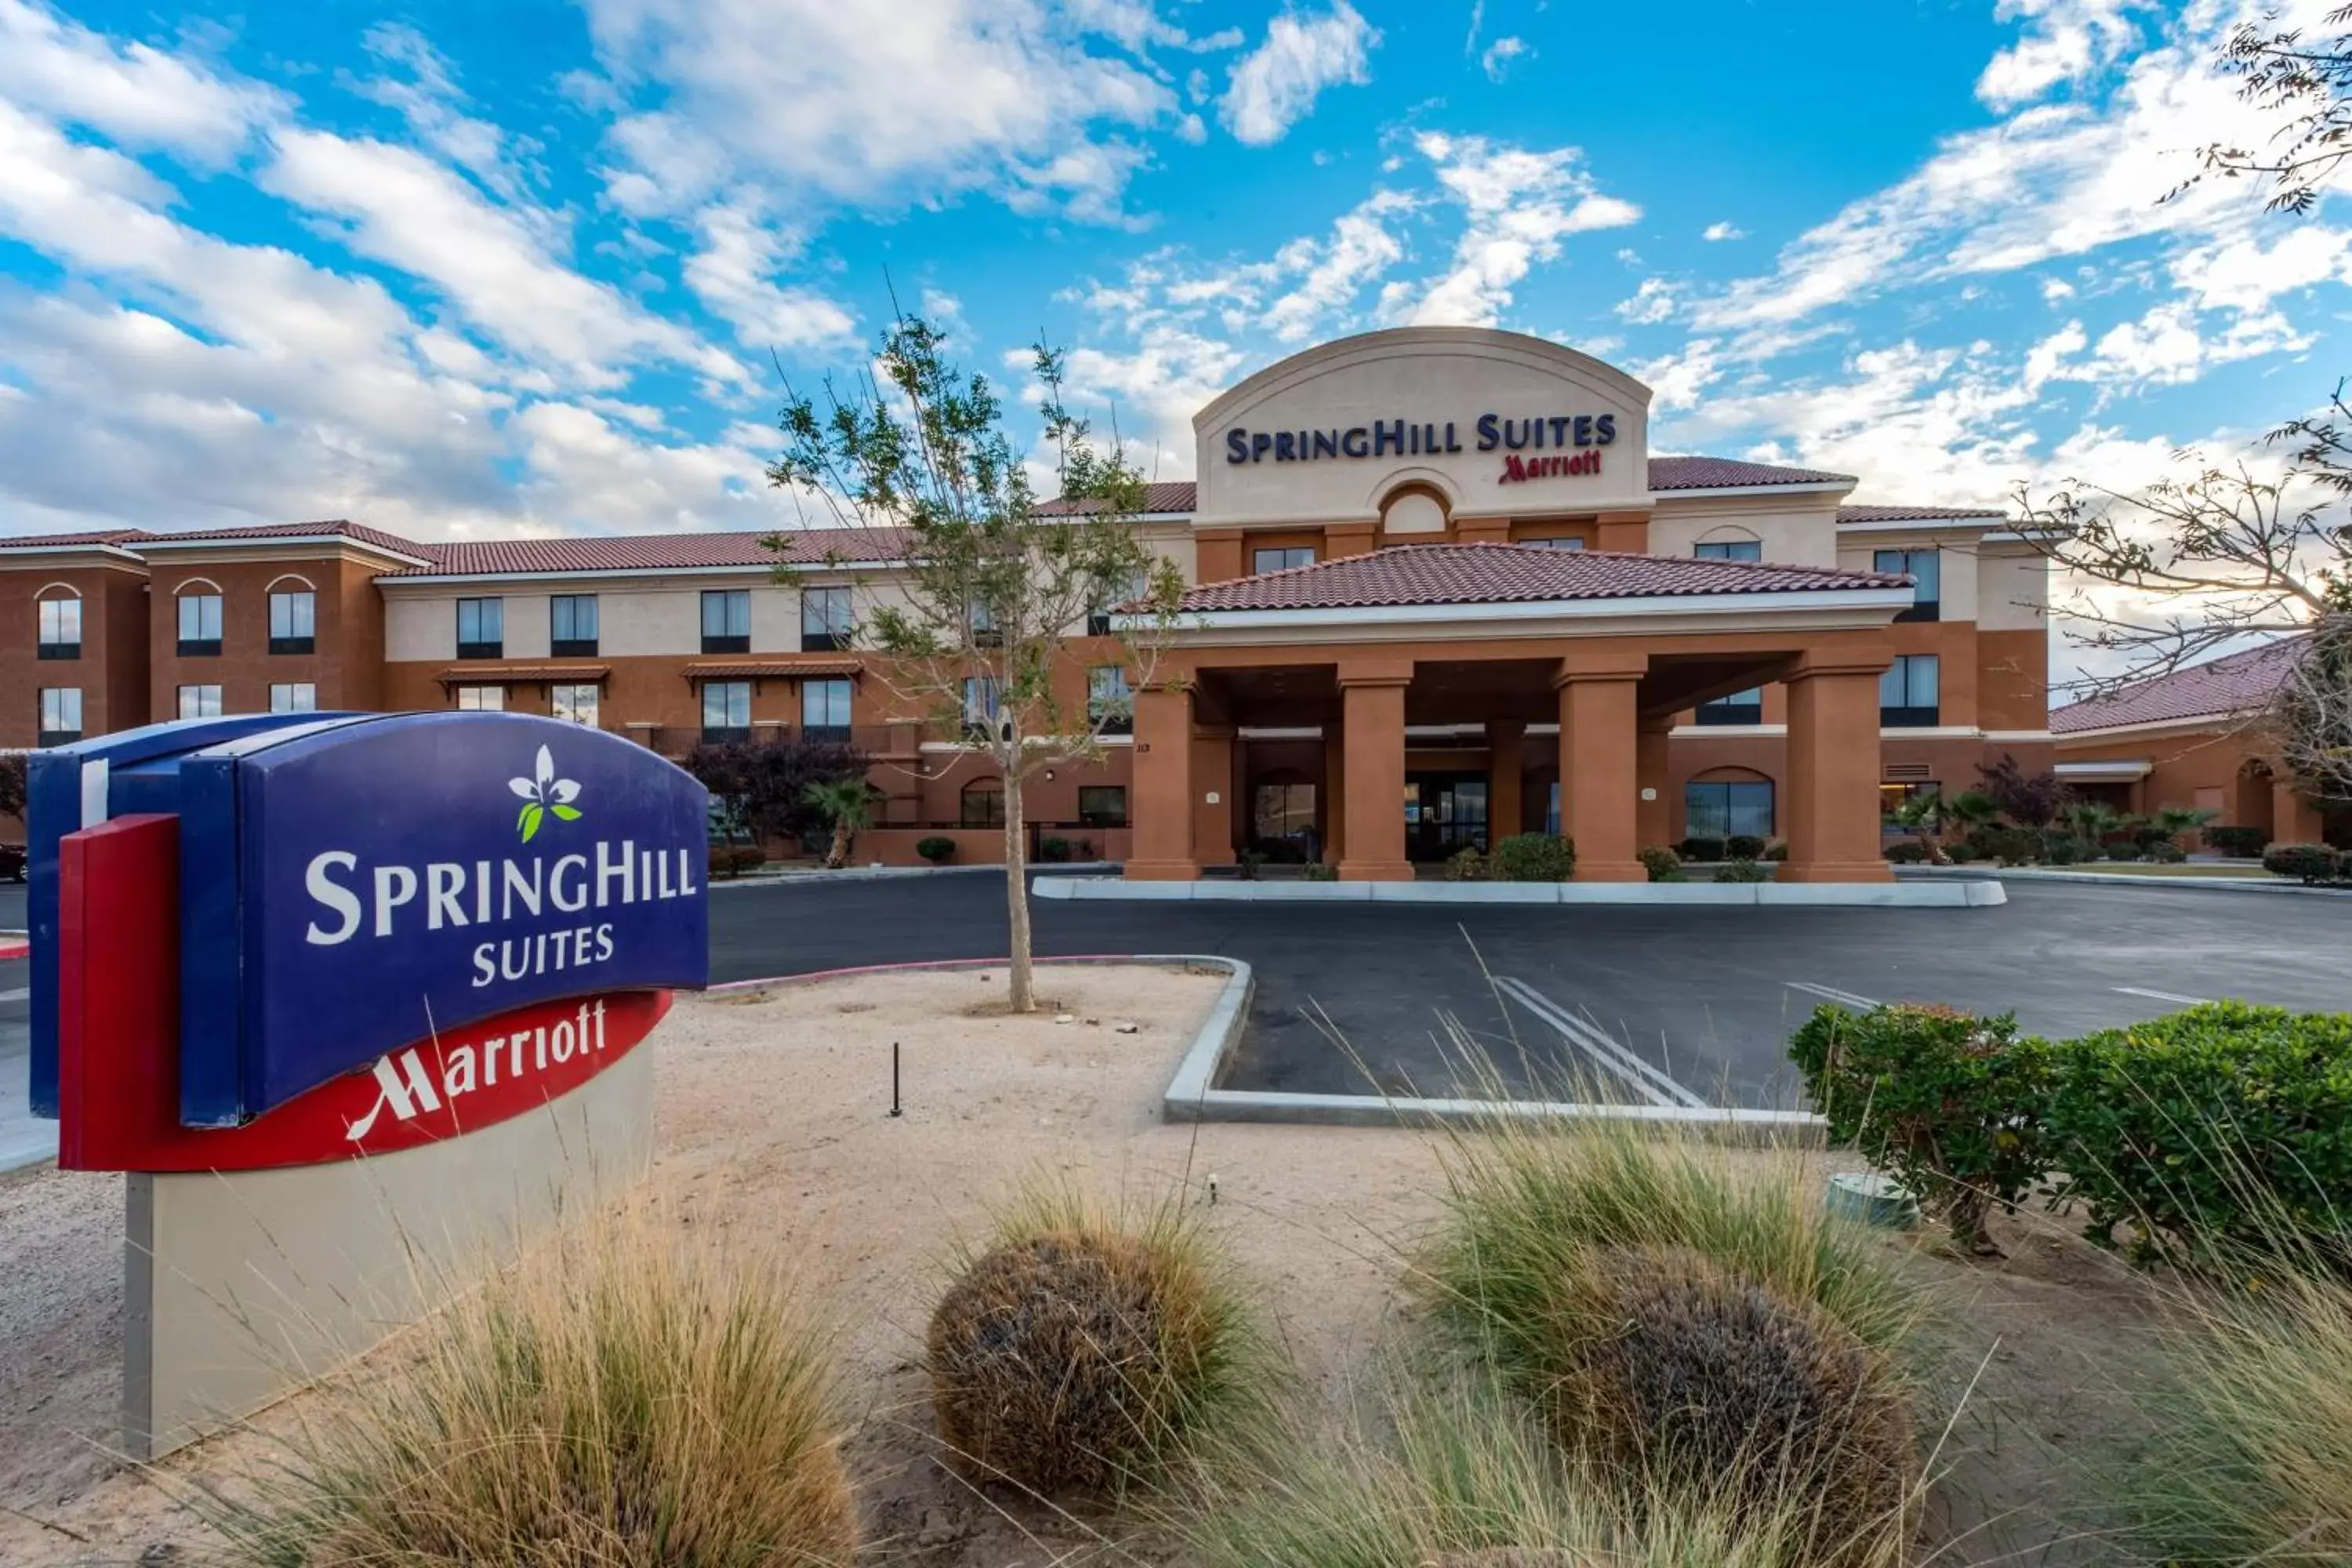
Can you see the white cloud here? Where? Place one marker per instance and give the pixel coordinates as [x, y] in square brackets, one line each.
[2063, 41]
[1722, 230]
[433, 105]
[874, 99]
[1361, 247]
[734, 274]
[1651, 303]
[135, 94]
[1500, 55]
[1275, 86]
[1519, 206]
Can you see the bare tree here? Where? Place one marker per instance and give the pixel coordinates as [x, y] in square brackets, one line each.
[977, 627]
[2310, 717]
[2308, 85]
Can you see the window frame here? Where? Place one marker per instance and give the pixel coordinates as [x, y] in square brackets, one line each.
[58, 647]
[831, 633]
[978, 721]
[489, 616]
[558, 703]
[294, 700]
[1695, 826]
[1258, 567]
[203, 710]
[1559, 542]
[727, 639]
[1901, 679]
[458, 697]
[1728, 550]
[300, 621]
[828, 731]
[981, 789]
[1109, 712]
[561, 607]
[726, 732]
[50, 703]
[209, 610]
[1097, 815]
[1726, 710]
[1931, 607]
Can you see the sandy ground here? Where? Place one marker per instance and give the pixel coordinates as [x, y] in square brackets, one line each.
[773, 1130]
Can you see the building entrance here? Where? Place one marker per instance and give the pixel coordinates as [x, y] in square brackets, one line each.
[1444, 814]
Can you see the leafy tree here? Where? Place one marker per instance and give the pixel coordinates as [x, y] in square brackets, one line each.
[848, 805]
[1923, 816]
[2307, 84]
[978, 627]
[2029, 800]
[11, 785]
[762, 786]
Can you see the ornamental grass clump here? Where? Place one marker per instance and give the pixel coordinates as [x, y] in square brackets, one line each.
[613, 1399]
[1087, 1342]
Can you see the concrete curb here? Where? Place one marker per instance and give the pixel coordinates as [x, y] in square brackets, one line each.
[887, 873]
[1954, 894]
[2104, 878]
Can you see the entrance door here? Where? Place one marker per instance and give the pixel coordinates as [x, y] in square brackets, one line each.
[1444, 814]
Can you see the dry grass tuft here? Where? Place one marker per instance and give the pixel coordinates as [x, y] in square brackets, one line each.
[1086, 1342]
[613, 1399]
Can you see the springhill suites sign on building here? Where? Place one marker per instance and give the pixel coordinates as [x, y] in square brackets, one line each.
[326, 923]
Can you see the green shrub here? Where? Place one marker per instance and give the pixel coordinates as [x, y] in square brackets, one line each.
[1744, 847]
[2165, 852]
[2009, 846]
[1953, 1105]
[1318, 871]
[1700, 847]
[938, 851]
[734, 859]
[1907, 852]
[2121, 850]
[2223, 1122]
[2307, 863]
[1054, 850]
[1663, 863]
[1742, 871]
[2243, 843]
[1962, 853]
[1777, 850]
[2062, 849]
[1248, 864]
[1087, 1342]
[1466, 865]
[1534, 857]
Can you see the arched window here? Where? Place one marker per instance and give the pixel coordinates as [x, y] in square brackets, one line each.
[1412, 510]
[60, 621]
[1728, 543]
[293, 615]
[983, 804]
[198, 603]
[1725, 802]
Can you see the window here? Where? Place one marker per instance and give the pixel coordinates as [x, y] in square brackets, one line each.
[294, 696]
[983, 804]
[481, 698]
[1136, 587]
[60, 628]
[825, 708]
[1284, 559]
[60, 714]
[1102, 806]
[826, 626]
[1282, 813]
[984, 633]
[482, 628]
[200, 702]
[1892, 796]
[980, 703]
[726, 709]
[1570, 542]
[1725, 808]
[572, 626]
[200, 626]
[1110, 703]
[575, 703]
[1926, 567]
[294, 621]
[1906, 692]
[727, 620]
[1730, 550]
[1738, 707]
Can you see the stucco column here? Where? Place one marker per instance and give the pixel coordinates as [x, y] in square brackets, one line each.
[1212, 775]
[1351, 538]
[2295, 816]
[1335, 795]
[1831, 814]
[1482, 531]
[1504, 768]
[1652, 808]
[1371, 699]
[1163, 814]
[1598, 709]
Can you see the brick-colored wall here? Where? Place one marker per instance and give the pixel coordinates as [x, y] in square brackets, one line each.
[112, 673]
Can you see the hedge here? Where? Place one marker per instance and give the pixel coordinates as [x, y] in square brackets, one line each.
[1533, 857]
[938, 850]
[2307, 863]
[2245, 843]
[1700, 847]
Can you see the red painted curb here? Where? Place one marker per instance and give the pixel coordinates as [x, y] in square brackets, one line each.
[13, 948]
[816, 974]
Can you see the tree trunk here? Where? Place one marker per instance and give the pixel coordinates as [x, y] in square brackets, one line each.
[1017, 894]
[844, 836]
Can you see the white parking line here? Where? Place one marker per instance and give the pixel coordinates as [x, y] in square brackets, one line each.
[1644, 1078]
[2160, 996]
[16, 995]
[1832, 994]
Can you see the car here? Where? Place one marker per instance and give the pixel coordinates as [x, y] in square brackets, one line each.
[12, 862]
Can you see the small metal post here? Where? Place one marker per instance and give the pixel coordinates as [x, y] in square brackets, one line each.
[895, 1109]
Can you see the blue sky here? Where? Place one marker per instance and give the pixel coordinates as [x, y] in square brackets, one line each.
[457, 269]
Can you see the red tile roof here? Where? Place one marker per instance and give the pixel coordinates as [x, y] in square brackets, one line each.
[1666, 474]
[658, 552]
[1913, 514]
[2231, 684]
[329, 528]
[1511, 573]
[1168, 496]
[67, 541]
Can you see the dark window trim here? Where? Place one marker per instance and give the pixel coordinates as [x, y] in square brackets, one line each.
[571, 648]
[724, 735]
[1909, 718]
[1731, 713]
[825, 642]
[835, 734]
[482, 649]
[60, 650]
[726, 645]
[59, 737]
[1924, 610]
[1101, 818]
[200, 647]
[293, 644]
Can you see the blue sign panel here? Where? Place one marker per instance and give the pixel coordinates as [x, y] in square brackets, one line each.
[80, 786]
[349, 891]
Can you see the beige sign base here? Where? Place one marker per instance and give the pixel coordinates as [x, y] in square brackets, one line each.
[239, 1286]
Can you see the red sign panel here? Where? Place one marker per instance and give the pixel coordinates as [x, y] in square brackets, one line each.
[119, 1039]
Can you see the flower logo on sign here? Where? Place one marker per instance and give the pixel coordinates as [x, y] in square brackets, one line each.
[544, 792]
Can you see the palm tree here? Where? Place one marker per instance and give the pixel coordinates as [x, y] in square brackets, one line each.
[848, 805]
[2171, 821]
[2093, 821]
[1922, 817]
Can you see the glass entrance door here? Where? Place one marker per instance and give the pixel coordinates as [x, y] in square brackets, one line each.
[1444, 814]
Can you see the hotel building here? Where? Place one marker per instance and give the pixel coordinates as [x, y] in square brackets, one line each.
[1443, 593]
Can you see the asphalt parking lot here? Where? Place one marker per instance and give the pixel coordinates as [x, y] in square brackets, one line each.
[1703, 999]
[1637, 1002]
